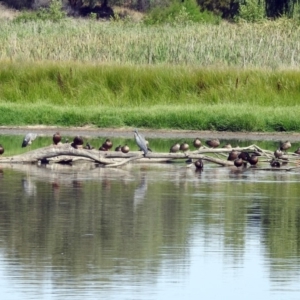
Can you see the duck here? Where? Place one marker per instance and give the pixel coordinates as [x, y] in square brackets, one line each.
[88, 146]
[253, 160]
[233, 155]
[284, 146]
[175, 148]
[107, 144]
[238, 162]
[244, 156]
[199, 164]
[56, 138]
[184, 147]
[1, 149]
[77, 142]
[213, 143]
[102, 148]
[119, 148]
[275, 163]
[278, 153]
[197, 143]
[125, 148]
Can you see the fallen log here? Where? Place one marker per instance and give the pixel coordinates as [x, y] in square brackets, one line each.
[66, 153]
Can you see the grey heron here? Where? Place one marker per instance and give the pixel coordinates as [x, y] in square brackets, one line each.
[1, 149]
[141, 142]
[28, 139]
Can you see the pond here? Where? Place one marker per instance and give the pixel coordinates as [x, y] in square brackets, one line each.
[148, 231]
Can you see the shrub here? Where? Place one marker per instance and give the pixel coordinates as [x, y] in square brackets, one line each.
[251, 11]
[181, 12]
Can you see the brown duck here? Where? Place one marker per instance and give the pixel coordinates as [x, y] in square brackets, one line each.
[125, 149]
[175, 148]
[197, 143]
[284, 146]
[233, 155]
[184, 147]
[1, 149]
[213, 143]
[56, 138]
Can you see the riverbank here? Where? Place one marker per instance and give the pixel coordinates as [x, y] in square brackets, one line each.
[150, 133]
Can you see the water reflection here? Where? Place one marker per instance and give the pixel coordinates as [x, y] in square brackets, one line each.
[148, 232]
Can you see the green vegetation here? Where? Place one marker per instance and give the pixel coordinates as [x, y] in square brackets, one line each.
[186, 76]
[69, 94]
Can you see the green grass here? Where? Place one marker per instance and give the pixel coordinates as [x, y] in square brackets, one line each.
[118, 74]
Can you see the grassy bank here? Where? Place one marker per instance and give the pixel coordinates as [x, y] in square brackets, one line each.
[69, 94]
[117, 74]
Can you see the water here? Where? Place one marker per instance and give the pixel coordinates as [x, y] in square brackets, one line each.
[148, 232]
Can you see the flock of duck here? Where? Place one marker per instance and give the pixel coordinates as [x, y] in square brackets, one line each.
[239, 158]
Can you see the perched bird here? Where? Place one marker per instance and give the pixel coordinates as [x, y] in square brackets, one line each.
[141, 142]
[184, 147]
[214, 143]
[1, 149]
[108, 144]
[278, 153]
[199, 164]
[253, 160]
[175, 148]
[284, 146]
[244, 156]
[233, 155]
[88, 146]
[102, 148]
[125, 149]
[275, 163]
[119, 148]
[56, 138]
[238, 162]
[77, 142]
[227, 146]
[197, 143]
[28, 139]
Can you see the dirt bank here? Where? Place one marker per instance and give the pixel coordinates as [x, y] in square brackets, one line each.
[150, 133]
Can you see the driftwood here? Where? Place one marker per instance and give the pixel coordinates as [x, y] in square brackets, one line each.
[65, 153]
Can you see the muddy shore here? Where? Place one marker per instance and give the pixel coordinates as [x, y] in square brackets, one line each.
[150, 133]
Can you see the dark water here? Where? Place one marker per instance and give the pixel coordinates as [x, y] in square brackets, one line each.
[148, 232]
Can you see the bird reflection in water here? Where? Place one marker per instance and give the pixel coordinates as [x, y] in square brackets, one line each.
[29, 187]
[140, 192]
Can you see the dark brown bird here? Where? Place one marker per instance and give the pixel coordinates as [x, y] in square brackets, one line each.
[175, 148]
[88, 146]
[233, 155]
[213, 143]
[108, 144]
[184, 147]
[125, 149]
[253, 160]
[56, 138]
[275, 163]
[102, 148]
[119, 148]
[284, 146]
[244, 156]
[199, 164]
[1, 149]
[197, 143]
[238, 162]
[78, 140]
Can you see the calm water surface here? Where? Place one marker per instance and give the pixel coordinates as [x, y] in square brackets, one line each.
[148, 232]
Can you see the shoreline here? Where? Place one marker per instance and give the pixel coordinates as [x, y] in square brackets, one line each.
[90, 131]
